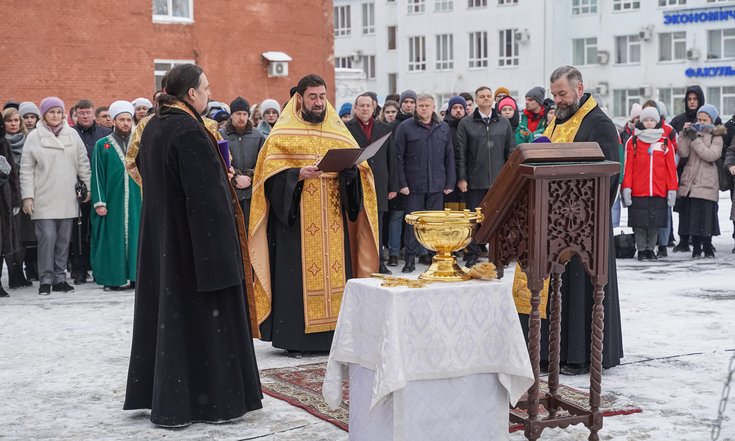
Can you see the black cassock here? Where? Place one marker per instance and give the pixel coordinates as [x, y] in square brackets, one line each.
[576, 288]
[192, 357]
[285, 326]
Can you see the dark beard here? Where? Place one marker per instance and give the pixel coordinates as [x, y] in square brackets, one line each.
[564, 113]
[312, 117]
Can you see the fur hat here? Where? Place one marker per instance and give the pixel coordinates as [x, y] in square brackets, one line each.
[121, 106]
[49, 103]
[270, 104]
[710, 110]
[650, 113]
[239, 104]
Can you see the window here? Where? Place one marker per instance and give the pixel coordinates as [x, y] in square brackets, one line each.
[671, 2]
[584, 51]
[583, 7]
[343, 62]
[720, 44]
[626, 5]
[416, 54]
[723, 98]
[624, 99]
[627, 49]
[476, 3]
[177, 11]
[392, 82]
[443, 5]
[368, 18]
[672, 46]
[442, 98]
[368, 65]
[673, 97]
[507, 2]
[445, 52]
[342, 21]
[508, 55]
[478, 49]
[416, 6]
[391, 38]
[160, 67]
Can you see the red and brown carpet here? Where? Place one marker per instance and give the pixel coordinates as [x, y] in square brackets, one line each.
[301, 386]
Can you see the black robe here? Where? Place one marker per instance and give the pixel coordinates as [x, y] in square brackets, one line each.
[192, 357]
[576, 289]
[285, 325]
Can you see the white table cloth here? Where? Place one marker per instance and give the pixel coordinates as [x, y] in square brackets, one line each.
[442, 331]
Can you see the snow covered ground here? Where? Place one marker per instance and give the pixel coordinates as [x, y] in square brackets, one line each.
[64, 359]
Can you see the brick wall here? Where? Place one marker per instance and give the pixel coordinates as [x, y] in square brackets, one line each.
[105, 50]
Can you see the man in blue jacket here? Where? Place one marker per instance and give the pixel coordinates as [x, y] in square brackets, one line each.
[426, 170]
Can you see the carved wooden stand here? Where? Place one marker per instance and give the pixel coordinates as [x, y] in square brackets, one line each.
[549, 202]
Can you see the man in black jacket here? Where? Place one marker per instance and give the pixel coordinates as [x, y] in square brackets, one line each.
[365, 129]
[244, 143]
[456, 110]
[90, 132]
[485, 140]
[426, 170]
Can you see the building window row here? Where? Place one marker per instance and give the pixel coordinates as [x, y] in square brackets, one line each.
[722, 97]
[508, 53]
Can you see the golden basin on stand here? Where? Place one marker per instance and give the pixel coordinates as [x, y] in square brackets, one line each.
[444, 232]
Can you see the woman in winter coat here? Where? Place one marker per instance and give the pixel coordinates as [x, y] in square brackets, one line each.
[649, 182]
[699, 188]
[15, 135]
[54, 160]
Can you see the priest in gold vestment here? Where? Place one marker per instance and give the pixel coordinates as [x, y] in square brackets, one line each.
[579, 119]
[310, 231]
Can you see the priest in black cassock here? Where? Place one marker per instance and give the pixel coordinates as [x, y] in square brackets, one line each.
[192, 358]
[310, 231]
[580, 119]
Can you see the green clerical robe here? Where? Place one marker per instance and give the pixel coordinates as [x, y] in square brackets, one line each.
[114, 245]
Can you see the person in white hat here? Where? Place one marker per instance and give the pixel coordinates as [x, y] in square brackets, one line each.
[116, 200]
[141, 106]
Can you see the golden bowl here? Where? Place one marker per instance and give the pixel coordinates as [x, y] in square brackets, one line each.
[444, 232]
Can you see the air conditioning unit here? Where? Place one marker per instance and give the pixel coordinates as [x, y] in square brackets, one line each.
[646, 33]
[523, 36]
[645, 91]
[278, 69]
[603, 57]
[693, 54]
[602, 88]
[356, 56]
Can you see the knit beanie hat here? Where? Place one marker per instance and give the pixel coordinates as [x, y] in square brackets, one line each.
[503, 91]
[507, 101]
[49, 103]
[650, 113]
[710, 110]
[345, 109]
[121, 106]
[270, 104]
[27, 107]
[11, 103]
[239, 104]
[142, 102]
[635, 111]
[408, 93]
[537, 94]
[221, 116]
[456, 100]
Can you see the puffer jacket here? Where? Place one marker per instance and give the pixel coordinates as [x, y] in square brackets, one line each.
[700, 177]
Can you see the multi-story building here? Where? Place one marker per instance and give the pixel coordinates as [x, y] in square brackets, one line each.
[627, 50]
[106, 51]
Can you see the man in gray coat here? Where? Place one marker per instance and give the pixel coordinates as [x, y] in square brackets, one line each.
[245, 144]
[485, 142]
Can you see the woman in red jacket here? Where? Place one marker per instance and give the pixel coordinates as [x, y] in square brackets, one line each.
[649, 182]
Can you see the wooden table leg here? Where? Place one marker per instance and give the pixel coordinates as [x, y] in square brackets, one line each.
[554, 340]
[532, 432]
[598, 328]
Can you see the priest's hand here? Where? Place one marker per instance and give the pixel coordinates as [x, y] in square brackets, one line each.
[308, 172]
[242, 181]
[462, 184]
[448, 190]
[405, 190]
[28, 206]
[393, 194]
[101, 211]
[230, 173]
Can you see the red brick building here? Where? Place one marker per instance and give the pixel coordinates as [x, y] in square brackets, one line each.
[118, 50]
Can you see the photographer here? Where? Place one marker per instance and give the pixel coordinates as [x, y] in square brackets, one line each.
[54, 159]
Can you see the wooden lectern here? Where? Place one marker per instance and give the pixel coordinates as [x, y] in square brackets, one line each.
[549, 202]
